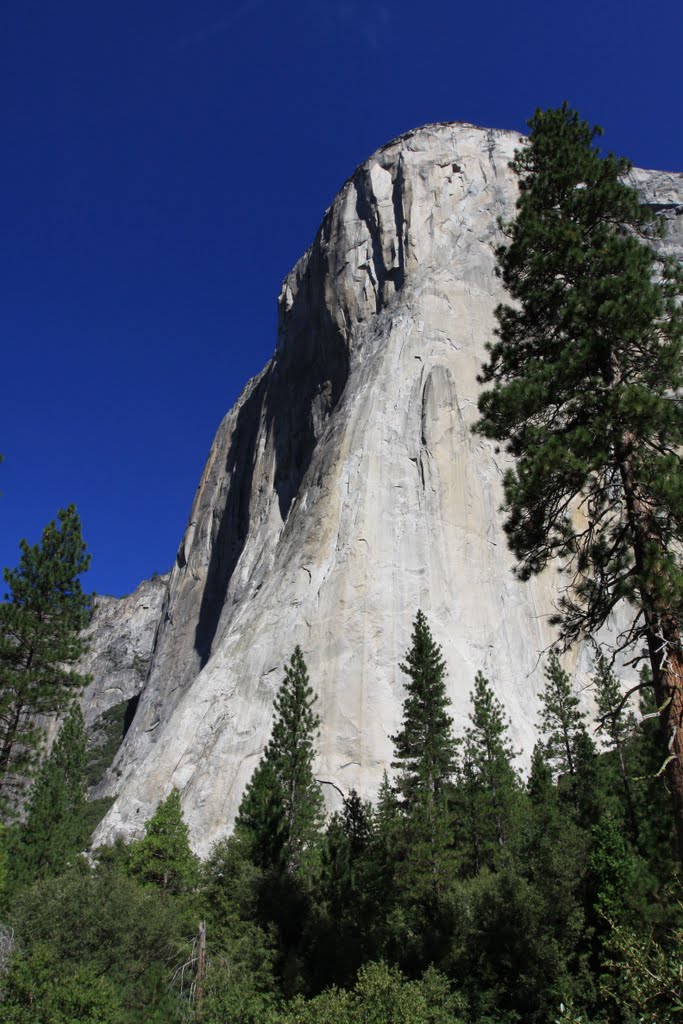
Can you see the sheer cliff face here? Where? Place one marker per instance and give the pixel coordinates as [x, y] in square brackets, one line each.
[119, 644]
[344, 491]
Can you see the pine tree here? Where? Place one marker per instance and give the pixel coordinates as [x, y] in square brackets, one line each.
[584, 376]
[553, 847]
[343, 909]
[163, 856]
[40, 640]
[571, 752]
[55, 829]
[490, 782]
[562, 721]
[655, 825]
[618, 724]
[425, 752]
[386, 848]
[282, 808]
[425, 748]
[347, 839]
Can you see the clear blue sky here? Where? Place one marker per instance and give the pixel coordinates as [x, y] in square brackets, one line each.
[165, 164]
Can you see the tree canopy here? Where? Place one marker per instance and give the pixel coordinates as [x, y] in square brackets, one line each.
[585, 390]
[282, 807]
[41, 620]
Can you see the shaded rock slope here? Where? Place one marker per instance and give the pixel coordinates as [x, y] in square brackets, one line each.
[119, 641]
[345, 490]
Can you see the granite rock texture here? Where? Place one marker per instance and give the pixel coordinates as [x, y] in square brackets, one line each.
[345, 490]
[120, 639]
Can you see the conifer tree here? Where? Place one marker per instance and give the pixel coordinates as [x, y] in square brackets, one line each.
[425, 748]
[347, 840]
[618, 725]
[163, 856]
[343, 909]
[55, 829]
[570, 750]
[40, 640]
[282, 807]
[562, 721]
[553, 848]
[386, 847]
[655, 825]
[425, 752]
[491, 783]
[584, 377]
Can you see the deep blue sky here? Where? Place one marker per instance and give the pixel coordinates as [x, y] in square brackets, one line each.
[165, 164]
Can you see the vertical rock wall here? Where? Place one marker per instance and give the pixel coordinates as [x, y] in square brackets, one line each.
[345, 490]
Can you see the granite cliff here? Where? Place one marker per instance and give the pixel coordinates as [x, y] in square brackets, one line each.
[345, 490]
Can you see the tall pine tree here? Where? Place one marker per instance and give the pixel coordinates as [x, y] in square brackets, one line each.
[562, 722]
[584, 377]
[570, 750]
[425, 752]
[618, 724]
[490, 785]
[282, 809]
[55, 829]
[40, 640]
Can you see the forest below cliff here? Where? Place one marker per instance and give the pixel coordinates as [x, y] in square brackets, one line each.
[464, 893]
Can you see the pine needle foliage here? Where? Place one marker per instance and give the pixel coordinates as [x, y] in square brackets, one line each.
[55, 830]
[425, 752]
[586, 378]
[41, 620]
[490, 785]
[282, 808]
[562, 719]
[163, 856]
[425, 749]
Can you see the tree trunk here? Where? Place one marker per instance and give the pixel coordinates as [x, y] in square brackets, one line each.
[8, 742]
[666, 659]
[663, 636]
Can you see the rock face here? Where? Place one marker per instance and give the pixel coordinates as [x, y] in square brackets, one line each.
[345, 490]
[120, 638]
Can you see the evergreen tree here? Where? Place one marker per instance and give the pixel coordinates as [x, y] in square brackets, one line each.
[40, 640]
[655, 826]
[385, 854]
[618, 725]
[239, 982]
[357, 820]
[343, 909]
[562, 722]
[55, 829]
[584, 374]
[282, 808]
[490, 785]
[592, 797]
[425, 752]
[425, 748]
[553, 848]
[163, 856]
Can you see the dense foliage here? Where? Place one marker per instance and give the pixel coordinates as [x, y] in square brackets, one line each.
[586, 378]
[463, 894]
[41, 620]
